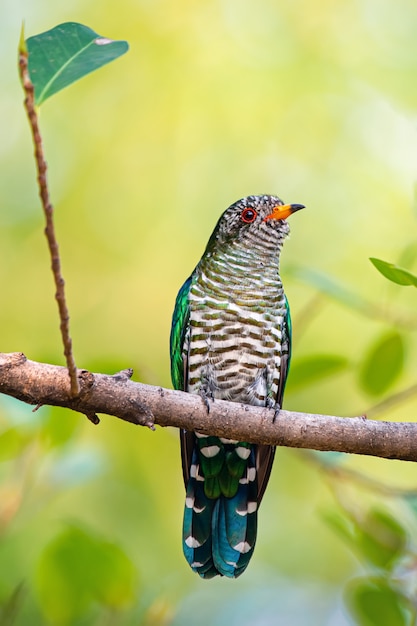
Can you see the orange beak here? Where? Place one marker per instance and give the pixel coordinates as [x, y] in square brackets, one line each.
[282, 211]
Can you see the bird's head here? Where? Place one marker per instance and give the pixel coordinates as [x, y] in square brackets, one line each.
[261, 216]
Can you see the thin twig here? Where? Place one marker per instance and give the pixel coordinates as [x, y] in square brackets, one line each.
[340, 472]
[391, 401]
[41, 165]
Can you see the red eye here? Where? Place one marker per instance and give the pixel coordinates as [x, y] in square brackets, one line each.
[249, 215]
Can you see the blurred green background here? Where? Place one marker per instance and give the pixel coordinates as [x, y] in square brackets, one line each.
[314, 101]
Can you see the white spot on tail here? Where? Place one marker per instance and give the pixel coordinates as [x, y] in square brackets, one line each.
[210, 451]
[195, 474]
[251, 474]
[192, 542]
[251, 508]
[241, 547]
[243, 453]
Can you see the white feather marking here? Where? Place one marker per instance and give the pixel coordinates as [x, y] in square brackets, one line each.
[242, 547]
[210, 451]
[251, 508]
[251, 474]
[192, 542]
[275, 332]
[189, 503]
[199, 344]
[194, 473]
[243, 453]
[254, 315]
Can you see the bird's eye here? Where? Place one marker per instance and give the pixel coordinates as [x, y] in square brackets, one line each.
[248, 216]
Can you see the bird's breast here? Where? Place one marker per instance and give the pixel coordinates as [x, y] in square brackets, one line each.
[234, 349]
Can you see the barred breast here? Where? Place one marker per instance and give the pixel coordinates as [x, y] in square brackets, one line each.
[237, 308]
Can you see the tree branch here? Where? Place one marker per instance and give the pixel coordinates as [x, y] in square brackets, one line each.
[43, 384]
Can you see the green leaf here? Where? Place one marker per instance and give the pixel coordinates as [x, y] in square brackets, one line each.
[373, 601]
[383, 363]
[394, 273]
[335, 289]
[378, 538]
[381, 540]
[311, 369]
[78, 569]
[10, 609]
[341, 524]
[66, 53]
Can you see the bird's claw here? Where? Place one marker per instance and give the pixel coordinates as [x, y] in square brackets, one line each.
[206, 399]
[277, 409]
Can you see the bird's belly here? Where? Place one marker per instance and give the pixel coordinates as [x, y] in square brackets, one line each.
[236, 360]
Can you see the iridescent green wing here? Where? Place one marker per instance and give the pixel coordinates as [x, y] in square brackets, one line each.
[178, 338]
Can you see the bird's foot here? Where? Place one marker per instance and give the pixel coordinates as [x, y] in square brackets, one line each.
[277, 409]
[206, 397]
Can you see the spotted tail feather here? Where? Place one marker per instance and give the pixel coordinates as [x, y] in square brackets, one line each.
[235, 526]
[197, 533]
[219, 534]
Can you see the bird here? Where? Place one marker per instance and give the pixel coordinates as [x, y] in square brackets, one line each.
[231, 340]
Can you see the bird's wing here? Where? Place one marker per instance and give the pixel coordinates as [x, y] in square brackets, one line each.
[265, 454]
[179, 366]
[178, 338]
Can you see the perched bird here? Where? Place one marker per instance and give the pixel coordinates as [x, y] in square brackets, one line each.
[231, 340]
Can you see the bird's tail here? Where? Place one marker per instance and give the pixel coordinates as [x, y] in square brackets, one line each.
[219, 533]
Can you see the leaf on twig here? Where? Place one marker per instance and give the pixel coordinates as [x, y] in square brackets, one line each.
[383, 363]
[309, 370]
[375, 601]
[330, 286]
[381, 539]
[66, 53]
[394, 273]
[79, 568]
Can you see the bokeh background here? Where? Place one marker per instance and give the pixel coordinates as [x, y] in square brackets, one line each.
[312, 100]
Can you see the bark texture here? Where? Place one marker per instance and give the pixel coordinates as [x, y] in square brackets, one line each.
[43, 384]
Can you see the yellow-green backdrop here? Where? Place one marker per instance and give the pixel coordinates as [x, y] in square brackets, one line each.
[314, 101]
